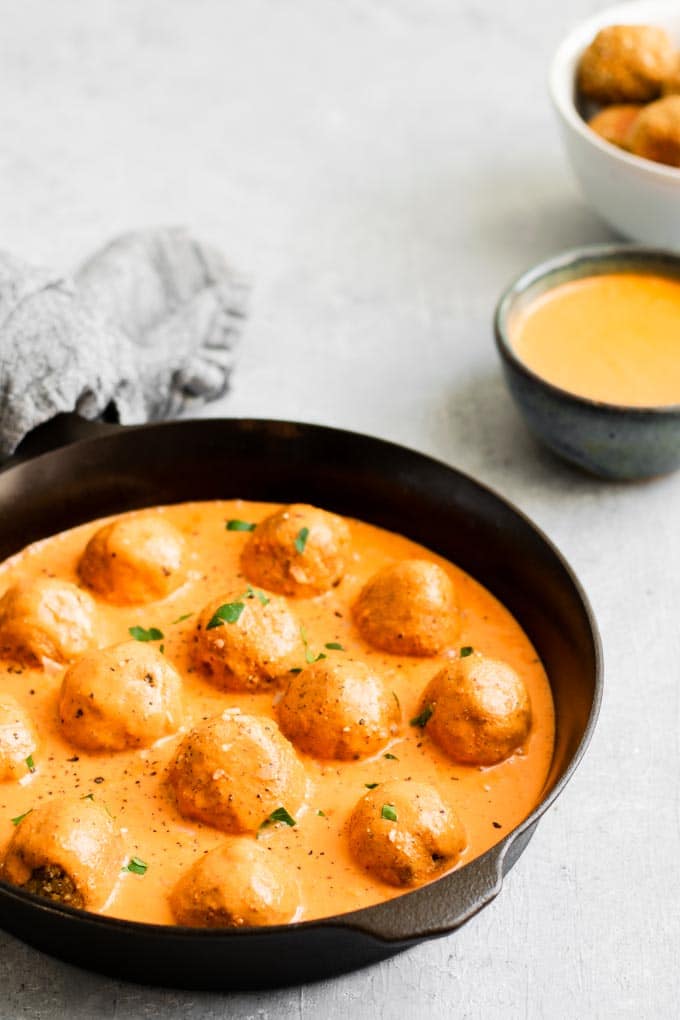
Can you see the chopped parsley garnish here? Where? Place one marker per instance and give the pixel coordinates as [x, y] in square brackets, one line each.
[334, 646]
[30, 764]
[19, 818]
[136, 866]
[301, 540]
[295, 670]
[370, 786]
[145, 634]
[391, 757]
[182, 618]
[388, 812]
[310, 657]
[161, 649]
[465, 651]
[88, 796]
[279, 815]
[255, 593]
[237, 525]
[321, 814]
[423, 719]
[227, 613]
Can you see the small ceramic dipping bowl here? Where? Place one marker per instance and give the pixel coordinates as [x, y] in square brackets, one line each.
[605, 439]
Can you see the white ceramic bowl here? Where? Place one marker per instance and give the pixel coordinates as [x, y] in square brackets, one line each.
[639, 198]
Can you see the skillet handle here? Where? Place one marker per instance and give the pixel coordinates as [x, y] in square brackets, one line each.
[61, 430]
[438, 908]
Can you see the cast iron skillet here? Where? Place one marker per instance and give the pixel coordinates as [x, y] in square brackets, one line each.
[121, 469]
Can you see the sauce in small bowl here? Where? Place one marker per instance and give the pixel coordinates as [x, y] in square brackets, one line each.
[590, 346]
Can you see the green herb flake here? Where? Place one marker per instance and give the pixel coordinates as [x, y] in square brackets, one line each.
[301, 540]
[88, 796]
[136, 866]
[321, 814]
[255, 593]
[310, 657]
[396, 698]
[236, 525]
[227, 613]
[295, 670]
[161, 649]
[334, 646]
[144, 634]
[390, 757]
[182, 618]
[371, 786]
[424, 717]
[30, 764]
[279, 815]
[465, 651]
[19, 818]
[388, 812]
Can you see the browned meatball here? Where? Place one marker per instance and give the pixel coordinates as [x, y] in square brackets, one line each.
[480, 710]
[45, 619]
[404, 833]
[237, 884]
[234, 770]
[245, 641]
[137, 558]
[626, 64]
[656, 132]
[17, 739]
[299, 550]
[339, 709]
[408, 608]
[120, 697]
[614, 123]
[69, 850]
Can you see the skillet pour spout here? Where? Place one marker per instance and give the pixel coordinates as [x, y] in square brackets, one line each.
[106, 470]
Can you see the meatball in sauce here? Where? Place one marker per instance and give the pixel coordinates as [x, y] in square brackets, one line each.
[299, 550]
[134, 559]
[45, 619]
[408, 608]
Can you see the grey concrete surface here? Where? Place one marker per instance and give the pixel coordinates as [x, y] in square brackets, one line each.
[381, 169]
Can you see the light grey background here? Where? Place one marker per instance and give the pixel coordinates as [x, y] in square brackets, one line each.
[381, 168]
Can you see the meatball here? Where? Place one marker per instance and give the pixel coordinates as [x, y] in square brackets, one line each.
[299, 550]
[339, 709]
[244, 642]
[45, 619]
[626, 64]
[614, 123]
[17, 739]
[68, 850]
[237, 884]
[234, 770]
[404, 833]
[137, 558]
[656, 132]
[479, 710]
[120, 697]
[408, 608]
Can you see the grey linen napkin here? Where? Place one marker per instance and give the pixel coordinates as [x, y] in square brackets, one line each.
[147, 327]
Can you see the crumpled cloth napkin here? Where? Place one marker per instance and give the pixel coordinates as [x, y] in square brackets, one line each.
[145, 328]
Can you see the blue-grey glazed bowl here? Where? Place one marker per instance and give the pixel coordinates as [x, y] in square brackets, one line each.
[608, 440]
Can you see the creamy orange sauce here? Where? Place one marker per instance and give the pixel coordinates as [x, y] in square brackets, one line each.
[612, 338]
[132, 784]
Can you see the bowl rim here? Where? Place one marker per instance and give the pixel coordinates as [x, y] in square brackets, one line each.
[590, 253]
[562, 98]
